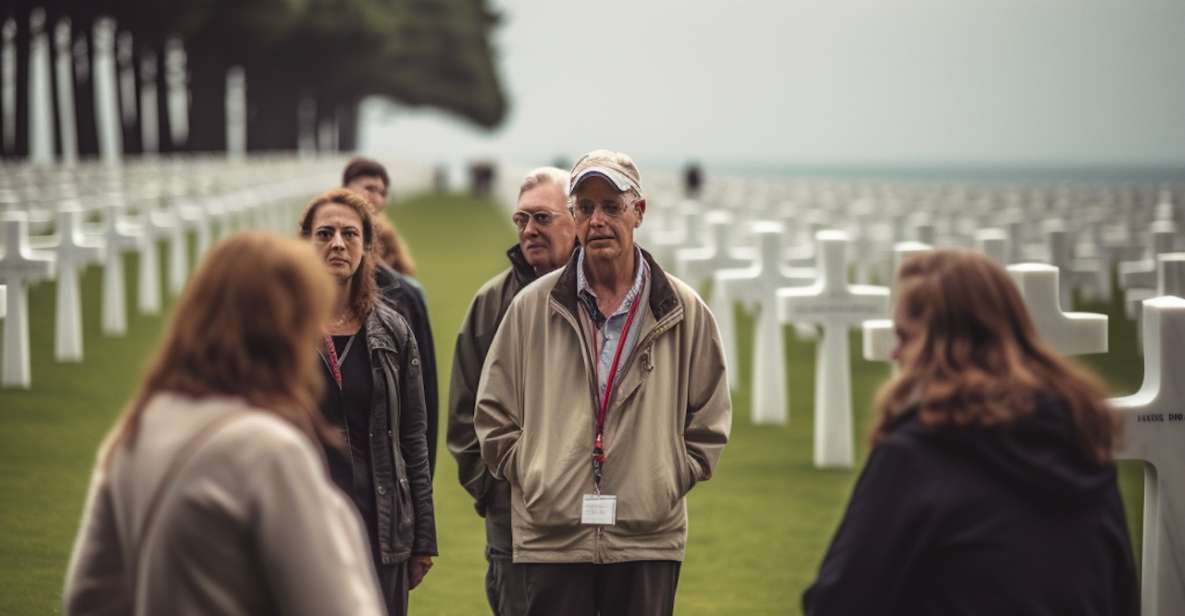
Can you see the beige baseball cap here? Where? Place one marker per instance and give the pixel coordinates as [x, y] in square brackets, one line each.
[618, 168]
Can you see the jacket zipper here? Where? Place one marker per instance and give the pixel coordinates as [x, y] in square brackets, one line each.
[659, 328]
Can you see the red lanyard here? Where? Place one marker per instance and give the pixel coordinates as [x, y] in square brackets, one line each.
[331, 360]
[599, 441]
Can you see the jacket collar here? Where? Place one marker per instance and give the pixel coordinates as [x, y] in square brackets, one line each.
[380, 328]
[518, 264]
[662, 296]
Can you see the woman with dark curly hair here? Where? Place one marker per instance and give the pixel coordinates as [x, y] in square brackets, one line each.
[990, 488]
[375, 396]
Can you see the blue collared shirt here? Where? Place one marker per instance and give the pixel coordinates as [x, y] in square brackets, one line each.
[608, 329]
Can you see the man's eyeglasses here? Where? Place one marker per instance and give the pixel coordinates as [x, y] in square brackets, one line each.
[542, 219]
[584, 210]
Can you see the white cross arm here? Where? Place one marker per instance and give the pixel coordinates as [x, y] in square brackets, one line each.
[19, 263]
[1068, 333]
[851, 306]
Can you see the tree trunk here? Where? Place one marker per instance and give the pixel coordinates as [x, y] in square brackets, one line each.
[347, 118]
[207, 109]
[20, 145]
[273, 111]
[84, 89]
[163, 122]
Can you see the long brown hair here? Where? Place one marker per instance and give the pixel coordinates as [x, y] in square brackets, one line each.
[246, 332]
[970, 355]
[390, 248]
[363, 292]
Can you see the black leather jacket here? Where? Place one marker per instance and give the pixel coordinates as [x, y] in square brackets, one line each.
[401, 481]
[405, 296]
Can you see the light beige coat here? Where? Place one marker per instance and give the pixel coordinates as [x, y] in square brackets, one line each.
[666, 426]
[251, 525]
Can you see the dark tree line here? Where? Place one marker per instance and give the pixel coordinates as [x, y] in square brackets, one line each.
[331, 53]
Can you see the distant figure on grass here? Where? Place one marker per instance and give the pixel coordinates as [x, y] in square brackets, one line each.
[546, 237]
[990, 488]
[693, 180]
[374, 394]
[603, 400]
[394, 271]
[210, 494]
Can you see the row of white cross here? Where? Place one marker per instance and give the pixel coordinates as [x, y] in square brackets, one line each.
[263, 194]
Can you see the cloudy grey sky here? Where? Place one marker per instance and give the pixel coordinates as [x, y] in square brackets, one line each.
[786, 82]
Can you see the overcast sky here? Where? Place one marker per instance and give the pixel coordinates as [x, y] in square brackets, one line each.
[785, 82]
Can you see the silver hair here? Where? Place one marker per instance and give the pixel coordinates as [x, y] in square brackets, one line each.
[542, 176]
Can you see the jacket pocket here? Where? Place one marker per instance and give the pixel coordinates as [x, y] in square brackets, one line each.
[404, 509]
[551, 489]
[648, 502]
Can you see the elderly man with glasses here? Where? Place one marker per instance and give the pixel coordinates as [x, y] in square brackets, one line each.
[603, 400]
[546, 237]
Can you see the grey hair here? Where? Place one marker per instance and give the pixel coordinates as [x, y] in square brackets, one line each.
[542, 176]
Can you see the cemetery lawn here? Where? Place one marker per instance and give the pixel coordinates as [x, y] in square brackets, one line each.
[758, 529]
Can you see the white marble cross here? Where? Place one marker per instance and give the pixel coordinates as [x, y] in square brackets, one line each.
[664, 244]
[1086, 274]
[699, 265]
[1068, 333]
[837, 306]
[1138, 278]
[1170, 274]
[212, 213]
[1153, 431]
[18, 267]
[758, 284]
[73, 251]
[119, 236]
[185, 216]
[155, 225]
[995, 244]
[879, 337]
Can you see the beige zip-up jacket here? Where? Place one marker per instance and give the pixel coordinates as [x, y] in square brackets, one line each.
[665, 429]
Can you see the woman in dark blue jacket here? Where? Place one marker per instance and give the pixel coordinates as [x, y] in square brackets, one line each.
[990, 488]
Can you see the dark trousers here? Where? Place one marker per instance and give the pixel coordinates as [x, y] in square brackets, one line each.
[394, 588]
[506, 590]
[642, 588]
[505, 587]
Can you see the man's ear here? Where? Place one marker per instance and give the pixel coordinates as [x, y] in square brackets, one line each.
[640, 205]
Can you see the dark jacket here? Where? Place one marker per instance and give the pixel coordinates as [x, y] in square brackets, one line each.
[473, 342]
[402, 484]
[1007, 520]
[407, 298]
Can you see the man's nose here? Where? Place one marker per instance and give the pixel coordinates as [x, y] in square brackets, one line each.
[599, 217]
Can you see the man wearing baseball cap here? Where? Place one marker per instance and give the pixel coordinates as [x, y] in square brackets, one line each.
[602, 401]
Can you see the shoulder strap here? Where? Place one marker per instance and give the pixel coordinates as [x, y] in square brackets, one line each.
[184, 455]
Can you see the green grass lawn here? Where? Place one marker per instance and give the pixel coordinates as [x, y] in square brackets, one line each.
[758, 529]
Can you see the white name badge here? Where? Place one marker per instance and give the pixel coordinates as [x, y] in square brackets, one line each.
[599, 509]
